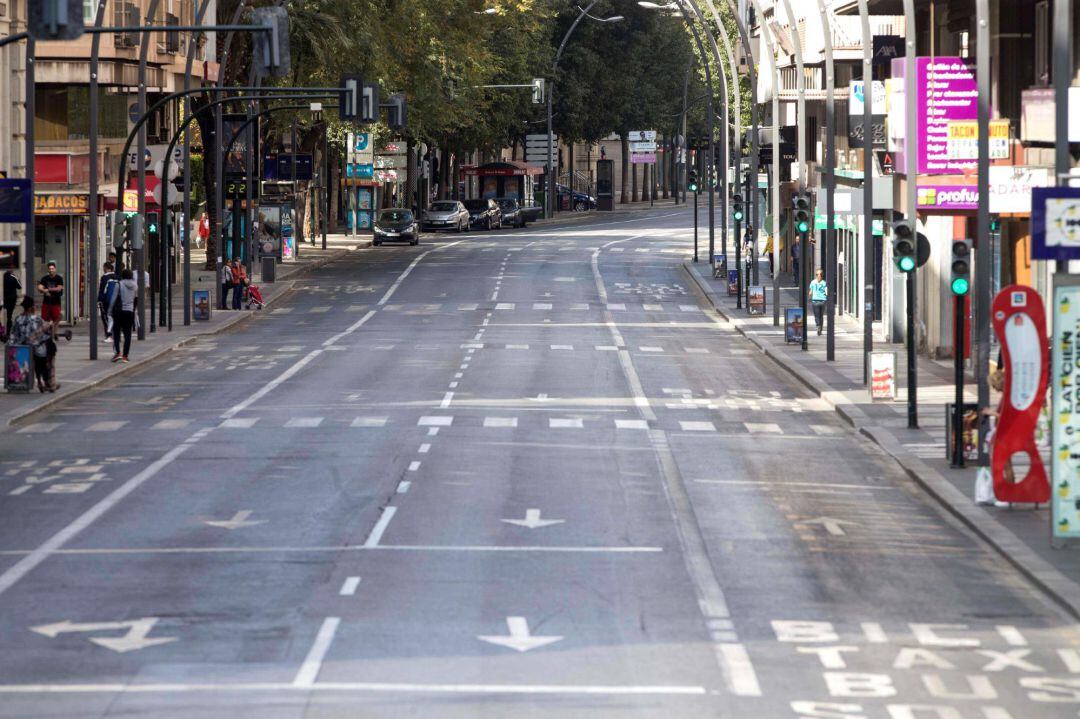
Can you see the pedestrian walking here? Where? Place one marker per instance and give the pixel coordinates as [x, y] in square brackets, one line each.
[239, 282]
[226, 284]
[122, 309]
[819, 294]
[29, 329]
[12, 287]
[51, 287]
[107, 287]
[795, 262]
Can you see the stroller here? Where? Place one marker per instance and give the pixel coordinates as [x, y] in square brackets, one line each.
[252, 296]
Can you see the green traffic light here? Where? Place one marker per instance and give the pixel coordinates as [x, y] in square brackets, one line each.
[960, 286]
[738, 215]
[803, 226]
[153, 228]
[906, 264]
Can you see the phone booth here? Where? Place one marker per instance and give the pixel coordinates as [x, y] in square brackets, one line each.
[605, 185]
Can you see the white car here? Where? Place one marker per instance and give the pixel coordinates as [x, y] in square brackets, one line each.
[446, 215]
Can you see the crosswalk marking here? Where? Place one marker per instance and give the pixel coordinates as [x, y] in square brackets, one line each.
[579, 306]
[561, 423]
[172, 424]
[616, 306]
[631, 424]
[517, 347]
[642, 249]
[467, 307]
[562, 347]
[697, 351]
[40, 428]
[652, 308]
[281, 311]
[541, 305]
[500, 421]
[606, 348]
[319, 310]
[762, 428]
[688, 308]
[308, 422]
[618, 249]
[689, 426]
[824, 429]
[109, 426]
[352, 308]
[505, 306]
[239, 423]
[435, 421]
[651, 349]
[369, 422]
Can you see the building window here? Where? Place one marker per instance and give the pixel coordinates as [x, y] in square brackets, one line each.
[63, 113]
[89, 8]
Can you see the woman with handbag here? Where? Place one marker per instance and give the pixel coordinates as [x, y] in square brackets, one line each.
[29, 329]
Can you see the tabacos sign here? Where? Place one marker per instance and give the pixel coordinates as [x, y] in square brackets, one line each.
[947, 197]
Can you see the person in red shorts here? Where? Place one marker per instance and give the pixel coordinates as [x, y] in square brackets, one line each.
[51, 287]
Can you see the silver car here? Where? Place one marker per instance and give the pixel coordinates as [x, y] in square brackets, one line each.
[446, 215]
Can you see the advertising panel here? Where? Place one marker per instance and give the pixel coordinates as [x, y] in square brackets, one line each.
[794, 325]
[1065, 442]
[882, 375]
[946, 92]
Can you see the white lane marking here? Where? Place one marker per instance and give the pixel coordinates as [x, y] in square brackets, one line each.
[432, 431]
[21, 490]
[309, 422]
[349, 330]
[776, 483]
[434, 421]
[686, 426]
[517, 347]
[380, 527]
[369, 422]
[414, 465]
[453, 385]
[21, 568]
[824, 429]
[172, 424]
[403, 486]
[505, 306]
[110, 551]
[579, 306]
[518, 636]
[762, 428]
[738, 670]
[473, 346]
[424, 448]
[541, 305]
[309, 670]
[239, 423]
[652, 308]
[401, 278]
[874, 633]
[281, 311]
[319, 310]
[40, 428]
[696, 351]
[500, 422]
[358, 687]
[557, 423]
[110, 426]
[631, 424]
[616, 306]
[562, 347]
[689, 308]
[467, 308]
[459, 375]
[650, 349]
[352, 308]
[349, 587]
[446, 400]
[1011, 635]
[606, 348]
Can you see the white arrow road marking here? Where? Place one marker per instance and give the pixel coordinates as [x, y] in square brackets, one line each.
[519, 637]
[136, 637]
[542, 397]
[532, 520]
[832, 526]
[240, 519]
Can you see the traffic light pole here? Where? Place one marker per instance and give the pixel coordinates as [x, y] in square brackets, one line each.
[912, 384]
[92, 261]
[957, 417]
[695, 226]
[806, 257]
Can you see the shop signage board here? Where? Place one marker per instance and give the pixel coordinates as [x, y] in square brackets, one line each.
[642, 136]
[883, 375]
[51, 203]
[1011, 190]
[642, 147]
[1065, 419]
[946, 92]
[963, 140]
[1055, 223]
[643, 158]
[856, 103]
[1020, 325]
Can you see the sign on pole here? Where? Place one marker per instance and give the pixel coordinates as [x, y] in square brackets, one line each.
[642, 136]
[1055, 223]
[1020, 324]
[1065, 419]
[883, 375]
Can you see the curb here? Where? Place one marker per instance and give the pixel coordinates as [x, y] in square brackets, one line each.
[1051, 581]
[19, 416]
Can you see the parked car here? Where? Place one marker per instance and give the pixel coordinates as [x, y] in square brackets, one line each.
[512, 212]
[395, 225]
[576, 201]
[532, 213]
[484, 213]
[446, 215]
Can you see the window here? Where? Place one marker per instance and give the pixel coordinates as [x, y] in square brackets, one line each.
[63, 113]
[89, 8]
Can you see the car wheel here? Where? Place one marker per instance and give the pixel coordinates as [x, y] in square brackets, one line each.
[376, 243]
[580, 206]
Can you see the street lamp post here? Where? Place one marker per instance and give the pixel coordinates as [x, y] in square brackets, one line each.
[92, 259]
[805, 253]
[829, 249]
[582, 14]
[771, 44]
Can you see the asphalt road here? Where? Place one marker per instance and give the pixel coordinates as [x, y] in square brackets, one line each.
[520, 474]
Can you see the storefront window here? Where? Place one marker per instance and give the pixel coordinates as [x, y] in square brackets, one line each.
[63, 113]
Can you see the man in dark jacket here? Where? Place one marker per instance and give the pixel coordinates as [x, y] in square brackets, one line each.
[106, 286]
[11, 296]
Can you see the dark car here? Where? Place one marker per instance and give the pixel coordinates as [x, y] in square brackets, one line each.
[396, 226]
[446, 215]
[512, 212]
[484, 213]
[576, 201]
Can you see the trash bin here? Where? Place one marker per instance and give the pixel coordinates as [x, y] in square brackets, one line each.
[269, 267]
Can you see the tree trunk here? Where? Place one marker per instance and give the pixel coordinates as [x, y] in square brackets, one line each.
[633, 183]
[410, 175]
[444, 175]
[624, 195]
[570, 156]
[666, 185]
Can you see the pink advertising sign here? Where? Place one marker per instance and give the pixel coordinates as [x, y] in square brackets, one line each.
[946, 91]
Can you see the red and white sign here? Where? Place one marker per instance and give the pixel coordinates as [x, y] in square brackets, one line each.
[1020, 323]
[882, 375]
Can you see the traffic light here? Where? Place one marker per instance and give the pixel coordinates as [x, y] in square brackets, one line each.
[271, 52]
[801, 206]
[56, 19]
[119, 229]
[960, 282]
[538, 90]
[737, 211]
[396, 116]
[136, 226]
[350, 97]
[369, 103]
[152, 228]
[692, 181]
[903, 244]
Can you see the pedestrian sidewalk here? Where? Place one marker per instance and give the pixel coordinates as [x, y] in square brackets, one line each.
[77, 373]
[1020, 533]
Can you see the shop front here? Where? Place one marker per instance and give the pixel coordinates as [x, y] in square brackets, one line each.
[504, 179]
[61, 229]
